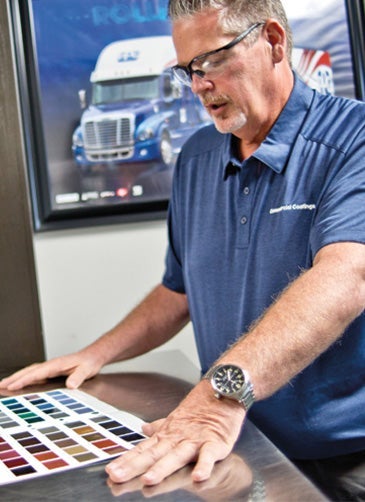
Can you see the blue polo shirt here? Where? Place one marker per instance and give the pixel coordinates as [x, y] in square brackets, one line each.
[239, 232]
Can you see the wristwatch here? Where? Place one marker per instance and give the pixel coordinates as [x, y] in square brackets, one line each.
[231, 381]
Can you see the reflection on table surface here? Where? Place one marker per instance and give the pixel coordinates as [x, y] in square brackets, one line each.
[255, 470]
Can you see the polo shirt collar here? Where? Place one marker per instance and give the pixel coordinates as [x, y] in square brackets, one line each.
[275, 149]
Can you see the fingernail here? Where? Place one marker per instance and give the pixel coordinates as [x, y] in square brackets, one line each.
[116, 473]
[149, 478]
[199, 476]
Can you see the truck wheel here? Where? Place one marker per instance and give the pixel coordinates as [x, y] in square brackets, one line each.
[166, 150]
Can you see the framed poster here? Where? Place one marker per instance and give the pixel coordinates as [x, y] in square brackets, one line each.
[104, 119]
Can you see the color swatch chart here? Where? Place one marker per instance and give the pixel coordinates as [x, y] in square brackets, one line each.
[61, 429]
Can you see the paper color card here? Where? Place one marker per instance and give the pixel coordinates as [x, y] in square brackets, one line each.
[61, 429]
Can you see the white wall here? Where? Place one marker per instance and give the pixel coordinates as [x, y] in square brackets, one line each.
[89, 278]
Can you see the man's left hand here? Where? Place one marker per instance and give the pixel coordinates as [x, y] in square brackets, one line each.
[202, 429]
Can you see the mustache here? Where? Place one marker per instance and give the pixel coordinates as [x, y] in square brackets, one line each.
[209, 100]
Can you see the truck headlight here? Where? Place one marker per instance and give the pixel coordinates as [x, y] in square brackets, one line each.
[77, 140]
[145, 134]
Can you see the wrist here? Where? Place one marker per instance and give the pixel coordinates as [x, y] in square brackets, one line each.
[97, 352]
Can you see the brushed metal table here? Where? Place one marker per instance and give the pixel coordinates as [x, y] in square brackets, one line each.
[255, 470]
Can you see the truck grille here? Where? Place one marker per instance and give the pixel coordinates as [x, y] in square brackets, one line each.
[106, 134]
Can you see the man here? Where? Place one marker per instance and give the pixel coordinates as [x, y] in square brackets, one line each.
[267, 234]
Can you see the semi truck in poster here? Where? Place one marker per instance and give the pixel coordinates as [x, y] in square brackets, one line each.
[138, 111]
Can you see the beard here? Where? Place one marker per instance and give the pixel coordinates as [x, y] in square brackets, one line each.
[230, 119]
[230, 124]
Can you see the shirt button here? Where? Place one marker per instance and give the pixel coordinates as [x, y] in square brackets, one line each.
[246, 190]
[243, 220]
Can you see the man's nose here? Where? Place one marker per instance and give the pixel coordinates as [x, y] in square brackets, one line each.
[200, 84]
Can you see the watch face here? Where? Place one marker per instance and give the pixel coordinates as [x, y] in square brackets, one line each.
[228, 379]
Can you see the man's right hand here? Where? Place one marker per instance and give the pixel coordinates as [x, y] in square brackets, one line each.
[161, 315]
[78, 367]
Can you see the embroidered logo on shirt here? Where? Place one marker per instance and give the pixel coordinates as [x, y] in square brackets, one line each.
[293, 207]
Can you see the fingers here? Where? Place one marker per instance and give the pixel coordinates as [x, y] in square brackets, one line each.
[176, 458]
[35, 373]
[178, 481]
[40, 372]
[151, 428]
[156, 459]
[132, 463]
[154, 462]
[78, 376]
[229, 480]
[206, 461]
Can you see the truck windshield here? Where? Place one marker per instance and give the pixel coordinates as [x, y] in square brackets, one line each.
[116, 91]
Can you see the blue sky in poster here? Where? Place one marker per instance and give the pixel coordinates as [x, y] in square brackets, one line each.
[69, 34]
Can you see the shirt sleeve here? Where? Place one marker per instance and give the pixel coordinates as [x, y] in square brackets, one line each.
[173, 277]
[341, 211]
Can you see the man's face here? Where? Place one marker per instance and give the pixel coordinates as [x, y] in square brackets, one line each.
[233, 87]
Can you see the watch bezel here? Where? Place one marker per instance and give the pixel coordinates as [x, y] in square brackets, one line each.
[225, 368]
[245, 395]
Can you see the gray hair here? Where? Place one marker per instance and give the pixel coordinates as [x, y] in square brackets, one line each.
[235, 15]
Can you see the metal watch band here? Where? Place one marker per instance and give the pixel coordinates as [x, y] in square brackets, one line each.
[248, 397]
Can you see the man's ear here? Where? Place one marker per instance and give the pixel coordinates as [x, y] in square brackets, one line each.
[276, 37]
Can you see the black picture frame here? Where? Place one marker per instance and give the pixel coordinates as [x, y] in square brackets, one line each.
[356, 21]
